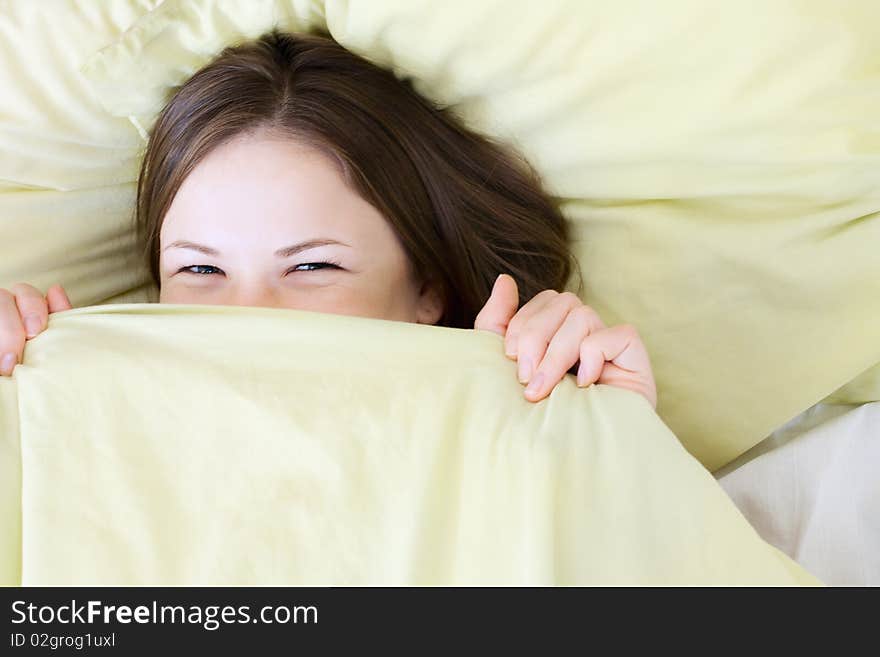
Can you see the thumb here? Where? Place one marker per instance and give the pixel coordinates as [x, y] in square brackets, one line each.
[501, 306]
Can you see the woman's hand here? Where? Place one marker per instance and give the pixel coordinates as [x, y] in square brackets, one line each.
[24, 314]
[554, 331]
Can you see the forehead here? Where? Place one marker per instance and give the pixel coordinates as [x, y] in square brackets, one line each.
[268, 187]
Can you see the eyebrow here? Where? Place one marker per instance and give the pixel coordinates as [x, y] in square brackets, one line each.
[285, 252]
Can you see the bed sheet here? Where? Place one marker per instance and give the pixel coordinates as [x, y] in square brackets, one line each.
[811, 489]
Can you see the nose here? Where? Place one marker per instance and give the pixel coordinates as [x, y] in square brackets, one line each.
[255, 295]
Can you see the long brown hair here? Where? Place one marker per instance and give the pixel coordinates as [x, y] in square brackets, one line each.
[465, 207]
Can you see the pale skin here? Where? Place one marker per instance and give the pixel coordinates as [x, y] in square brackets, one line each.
[260, 219]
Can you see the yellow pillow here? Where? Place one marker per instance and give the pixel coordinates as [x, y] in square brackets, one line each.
[164, 444]
[66, 166]
[721, 169]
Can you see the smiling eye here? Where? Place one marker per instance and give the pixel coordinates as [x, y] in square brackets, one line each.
[315, 266]
[188, 270]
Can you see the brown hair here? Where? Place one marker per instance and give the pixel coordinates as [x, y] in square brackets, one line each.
[465, 208]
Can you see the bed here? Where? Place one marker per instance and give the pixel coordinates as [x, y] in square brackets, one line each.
[722, 179]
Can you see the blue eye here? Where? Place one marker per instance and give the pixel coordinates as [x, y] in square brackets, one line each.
[311, 265]
[188, 270]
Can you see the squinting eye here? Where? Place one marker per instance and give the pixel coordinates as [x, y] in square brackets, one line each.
[333, 265]
[188, 270]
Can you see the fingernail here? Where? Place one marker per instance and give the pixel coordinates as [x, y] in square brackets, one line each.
[7, 363]
[525, 370]
[32, 325]
[535, 384]
[581, 377]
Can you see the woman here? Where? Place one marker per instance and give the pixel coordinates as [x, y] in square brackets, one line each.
[292, 173]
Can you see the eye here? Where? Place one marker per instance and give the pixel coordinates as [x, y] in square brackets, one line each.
[188, 270]
[315, 266]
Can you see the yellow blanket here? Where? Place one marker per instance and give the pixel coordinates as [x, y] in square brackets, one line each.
[148, 444]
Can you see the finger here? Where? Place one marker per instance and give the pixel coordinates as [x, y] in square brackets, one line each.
[501, 306]
[57, 299]
[531, 308]
[620, 345]
[32, 308]
[11, 333]
[632, 370]
[539, 331]
[563, 351]
[637, 382]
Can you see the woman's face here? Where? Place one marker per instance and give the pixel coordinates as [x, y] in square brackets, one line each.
[267, 221]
